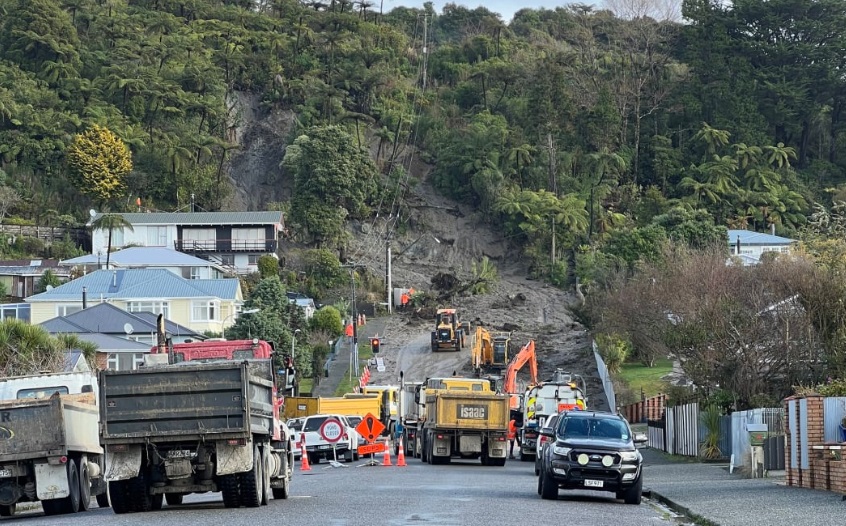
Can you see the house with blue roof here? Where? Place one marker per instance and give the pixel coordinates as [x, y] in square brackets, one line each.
[198, 304]
[180, 263]
[748, 246]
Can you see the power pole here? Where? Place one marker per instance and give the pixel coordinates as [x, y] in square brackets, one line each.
[354, 344]
[388, 271]
[425, 50]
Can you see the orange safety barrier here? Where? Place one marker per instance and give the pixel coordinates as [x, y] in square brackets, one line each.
[304, 466]
[401, 456]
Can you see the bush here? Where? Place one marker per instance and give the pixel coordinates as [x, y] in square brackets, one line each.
[710, 446]
[327, 319]
[614, 350]
[31, 246]
[268, 266]
[324, 267]
[65, 249]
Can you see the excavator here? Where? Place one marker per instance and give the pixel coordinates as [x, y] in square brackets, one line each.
[526, 354]
[490, 353]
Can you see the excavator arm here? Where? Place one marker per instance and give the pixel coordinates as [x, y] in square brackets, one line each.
[526, 354]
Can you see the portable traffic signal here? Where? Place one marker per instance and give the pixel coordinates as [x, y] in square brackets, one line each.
[374, 345]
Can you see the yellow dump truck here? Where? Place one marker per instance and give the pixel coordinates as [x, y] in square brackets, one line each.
[348, 405]
[464, 421]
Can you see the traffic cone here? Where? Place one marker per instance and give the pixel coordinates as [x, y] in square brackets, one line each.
[401, 456]
[304, 466]
[386, 459]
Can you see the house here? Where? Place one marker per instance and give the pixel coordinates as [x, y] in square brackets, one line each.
[75, 362]
[748, 246]
[304, 302]
[232, 239]
[116, 353]
[20, 277]
[199, 304]
[180, 263]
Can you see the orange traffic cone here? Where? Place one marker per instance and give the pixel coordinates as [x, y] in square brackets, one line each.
[386, 459]
[401, 456]
[304, 461]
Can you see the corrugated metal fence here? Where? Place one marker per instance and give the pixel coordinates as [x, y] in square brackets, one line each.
[607, 385]
[772, 416]
[834, 409]
[678, 432]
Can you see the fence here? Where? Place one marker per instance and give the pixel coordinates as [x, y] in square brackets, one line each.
[607, 385]
[678, 432]
[651, 408]
[772, 416]
[50, 233]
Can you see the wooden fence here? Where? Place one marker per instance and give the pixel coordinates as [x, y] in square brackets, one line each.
[49, 234]
[651, 408]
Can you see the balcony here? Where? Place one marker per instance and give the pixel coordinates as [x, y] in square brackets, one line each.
[225, 245]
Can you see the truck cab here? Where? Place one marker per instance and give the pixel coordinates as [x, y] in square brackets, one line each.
[47, 384]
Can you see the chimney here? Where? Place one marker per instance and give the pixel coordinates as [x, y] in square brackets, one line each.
[772, 229]
[84, 298]
[114, 278]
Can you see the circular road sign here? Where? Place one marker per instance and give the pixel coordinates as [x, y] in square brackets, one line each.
[331, 430]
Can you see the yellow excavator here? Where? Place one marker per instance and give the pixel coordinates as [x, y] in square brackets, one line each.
[491, 352]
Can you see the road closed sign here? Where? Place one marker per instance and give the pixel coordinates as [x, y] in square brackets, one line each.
[331, 430]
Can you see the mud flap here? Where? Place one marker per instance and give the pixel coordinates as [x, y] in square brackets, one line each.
[233, 459]
[123, 465]
[51, 481]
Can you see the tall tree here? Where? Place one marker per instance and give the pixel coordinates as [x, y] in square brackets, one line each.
[111, 222]
[99, 163]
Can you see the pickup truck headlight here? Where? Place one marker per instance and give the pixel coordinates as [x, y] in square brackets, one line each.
[562, 451]
[629, 456]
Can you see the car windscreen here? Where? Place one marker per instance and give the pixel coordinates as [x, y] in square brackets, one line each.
[586, 426]
[314, 423]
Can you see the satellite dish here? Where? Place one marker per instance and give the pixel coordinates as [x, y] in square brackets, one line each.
[48, 287]
[92, 213]
[128, 328]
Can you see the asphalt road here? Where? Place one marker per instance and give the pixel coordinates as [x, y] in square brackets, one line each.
[463, 493]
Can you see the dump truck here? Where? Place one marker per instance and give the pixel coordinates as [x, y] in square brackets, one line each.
[449, 334]
[466, 423]
[193, 427]
[350, 404]
[50, 444]
[562, 392]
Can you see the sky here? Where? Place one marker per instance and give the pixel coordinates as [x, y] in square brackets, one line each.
[506, 8]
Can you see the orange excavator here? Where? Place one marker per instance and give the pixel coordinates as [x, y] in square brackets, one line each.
[526, 354]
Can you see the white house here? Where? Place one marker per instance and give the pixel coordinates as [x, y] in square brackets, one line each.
[180, 263]
[749, 246]
[234, 240]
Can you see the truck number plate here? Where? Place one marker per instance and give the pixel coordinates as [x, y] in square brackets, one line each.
[475, 412]
[593, 483]
[5, 472]
[179, 453]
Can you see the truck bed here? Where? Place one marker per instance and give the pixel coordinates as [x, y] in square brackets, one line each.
[466, 410]
[48, 427]
[187, 402]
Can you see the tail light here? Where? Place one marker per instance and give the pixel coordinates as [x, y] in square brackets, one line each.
[237, 441]
[440, 437]
[501, 439]
[63, 459]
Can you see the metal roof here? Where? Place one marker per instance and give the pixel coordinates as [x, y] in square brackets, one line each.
[107, 343]
[748, 237]
[126, 284]
[108, 319]
[202, 218]
[142, 256]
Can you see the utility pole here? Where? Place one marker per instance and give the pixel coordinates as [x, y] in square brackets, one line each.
[388, 271]
[354, 344]
[425, 50]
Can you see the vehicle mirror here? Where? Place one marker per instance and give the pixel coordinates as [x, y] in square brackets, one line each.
[547, 432]
[640, 439]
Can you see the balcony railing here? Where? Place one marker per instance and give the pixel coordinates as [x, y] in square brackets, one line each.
[226, 245]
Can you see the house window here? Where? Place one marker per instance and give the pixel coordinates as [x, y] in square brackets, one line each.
[113, 362]
[196, 272]
[64, 310]
[205, 310]
[117, 237]
[156, 307]
[137, 361]
[156, 236]
[247, 238]
[199, 238]
[227, 260]
[252, 259]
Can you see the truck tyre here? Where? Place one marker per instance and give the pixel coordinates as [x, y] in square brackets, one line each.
[284, 491]
[139, 494]
[548, 487]
[265, 471]
[156, 501]
[69, 504]
[174, 499]
[7, 510]
[118, 494]
[104, 499]
[251, 482]
[84, 486]
[231, 491]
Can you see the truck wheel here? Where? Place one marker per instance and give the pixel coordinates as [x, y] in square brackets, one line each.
[104, 499]
[139, 494]
[7, 510]
[174, 499]
[251, 482]
[156, 501]
[265, 470]
[231, 490]
[69, 504]
[119, 496]
[84, 486]
[284, 491]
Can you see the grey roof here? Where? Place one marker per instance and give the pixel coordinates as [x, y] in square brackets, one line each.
[142, 256]
[748, 237]
[128, 284]
[202, 218]
[106, 343]
[74, 357]
[108, 319]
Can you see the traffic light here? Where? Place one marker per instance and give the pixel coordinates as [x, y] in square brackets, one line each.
[374, 345]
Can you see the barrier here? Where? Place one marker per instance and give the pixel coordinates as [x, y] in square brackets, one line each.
[401, 456]
[304, 465]
[386, 458]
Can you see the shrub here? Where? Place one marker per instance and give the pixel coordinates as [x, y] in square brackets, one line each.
[29, 245]
[327, 319]
[614, 349]
[710, 446]
[268, 266]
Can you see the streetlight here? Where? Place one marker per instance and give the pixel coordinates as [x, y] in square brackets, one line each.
[293, 344]
[223, 323]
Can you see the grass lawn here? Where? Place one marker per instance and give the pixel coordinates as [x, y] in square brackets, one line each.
[639, 376]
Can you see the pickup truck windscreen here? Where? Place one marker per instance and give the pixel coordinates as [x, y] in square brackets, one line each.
[41, 392]
[313, 424]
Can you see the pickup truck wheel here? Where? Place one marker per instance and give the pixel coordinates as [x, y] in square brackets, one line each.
[84, 486]
[231, 491]
[7, 510]
[174, 499]
[634, 493]
[265, 471]
[251, 482]
[119, 497]
[548, 487]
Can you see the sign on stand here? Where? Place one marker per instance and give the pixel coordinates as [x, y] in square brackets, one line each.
[332, 430]
[370, 428]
